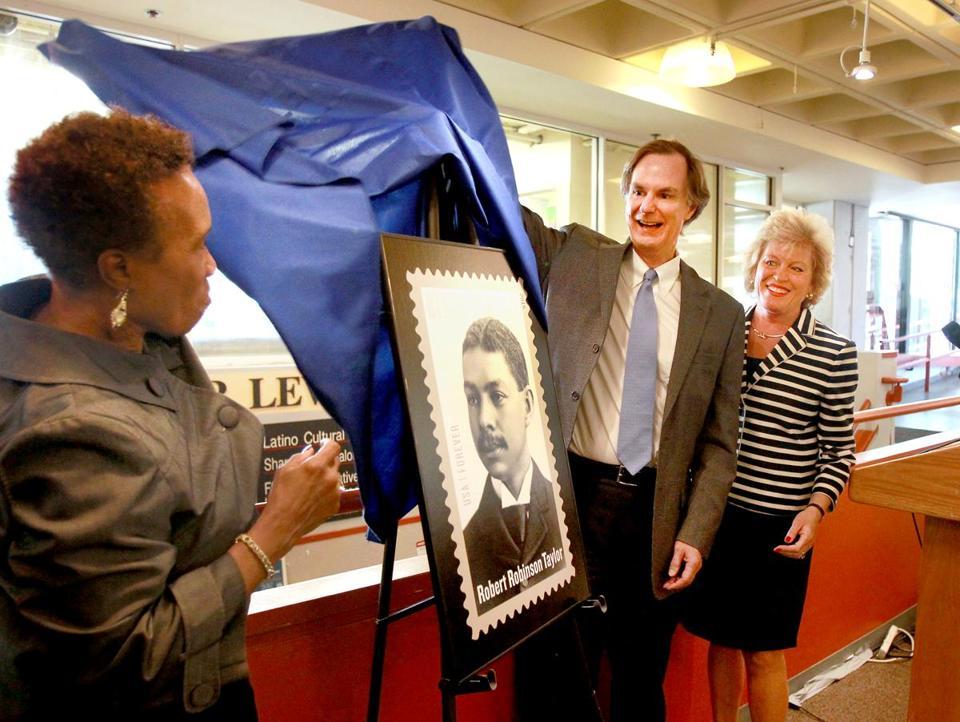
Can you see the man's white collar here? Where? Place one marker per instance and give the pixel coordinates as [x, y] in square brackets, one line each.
[506, 496]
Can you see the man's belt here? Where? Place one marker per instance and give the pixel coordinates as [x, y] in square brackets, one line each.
[581, 466]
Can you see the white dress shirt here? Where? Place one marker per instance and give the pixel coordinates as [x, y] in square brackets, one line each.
[506, 496]
[597, 426]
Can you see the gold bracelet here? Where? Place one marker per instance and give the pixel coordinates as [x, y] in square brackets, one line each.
[261, 555]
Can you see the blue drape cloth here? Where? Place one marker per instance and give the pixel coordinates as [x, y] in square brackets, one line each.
[309, 147]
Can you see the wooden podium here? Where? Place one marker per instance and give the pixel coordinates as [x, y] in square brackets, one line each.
[923, 476]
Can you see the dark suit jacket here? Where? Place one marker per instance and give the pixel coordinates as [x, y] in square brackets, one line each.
[491, 550]
[696, 462]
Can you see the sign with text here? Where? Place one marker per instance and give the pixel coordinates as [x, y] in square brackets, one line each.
[291, 415]
[283, 438]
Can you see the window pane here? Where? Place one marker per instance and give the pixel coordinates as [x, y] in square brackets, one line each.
[740, 227]
[883, 280]
[234, 324]
[36, 94]
[615, 157]
[697, 245]
[745, 185]
[933, 283]
[554, 171]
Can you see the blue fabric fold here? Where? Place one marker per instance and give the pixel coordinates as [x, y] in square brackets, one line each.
[308, 148]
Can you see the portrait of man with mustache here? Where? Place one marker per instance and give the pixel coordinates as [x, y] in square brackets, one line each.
[513, 538]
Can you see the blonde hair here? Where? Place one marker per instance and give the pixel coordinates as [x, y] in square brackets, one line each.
[796, 227]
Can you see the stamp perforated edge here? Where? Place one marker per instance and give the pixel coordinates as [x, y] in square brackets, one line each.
[481, 623]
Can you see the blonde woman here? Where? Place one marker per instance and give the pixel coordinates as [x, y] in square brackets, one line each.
[794, 457]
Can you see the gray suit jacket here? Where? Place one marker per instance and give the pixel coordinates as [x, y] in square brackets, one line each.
[124, 479]
[696, 463]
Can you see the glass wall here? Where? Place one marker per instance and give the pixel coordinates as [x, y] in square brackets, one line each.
[933, 275]
[743, 186]
[555, 171]
[883, 280]
[912, 283]
[747, 201]
[36, 93]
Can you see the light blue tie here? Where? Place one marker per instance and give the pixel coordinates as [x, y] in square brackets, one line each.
[635, 443]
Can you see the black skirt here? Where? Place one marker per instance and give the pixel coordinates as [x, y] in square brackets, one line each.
[746, 596]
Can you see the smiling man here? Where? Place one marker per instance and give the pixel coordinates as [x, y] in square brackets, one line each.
[647, 358]
[513, 538]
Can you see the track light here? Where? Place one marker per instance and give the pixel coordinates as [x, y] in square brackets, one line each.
[865, 70]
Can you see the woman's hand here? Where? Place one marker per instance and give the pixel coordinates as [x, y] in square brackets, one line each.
[800, 537]
[305, 493]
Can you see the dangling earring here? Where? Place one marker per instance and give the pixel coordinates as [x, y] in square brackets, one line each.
[118, 316]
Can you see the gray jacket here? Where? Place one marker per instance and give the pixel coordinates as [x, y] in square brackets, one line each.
[123, 481]
[696, 462]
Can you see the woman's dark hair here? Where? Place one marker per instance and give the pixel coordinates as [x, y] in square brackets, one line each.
[83, 187]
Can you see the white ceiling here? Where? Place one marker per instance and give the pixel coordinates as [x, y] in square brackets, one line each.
[590, 64]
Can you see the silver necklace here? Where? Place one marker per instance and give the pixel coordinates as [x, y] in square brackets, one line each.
[765, 336]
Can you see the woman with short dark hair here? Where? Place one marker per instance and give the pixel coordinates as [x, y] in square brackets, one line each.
[128, 541]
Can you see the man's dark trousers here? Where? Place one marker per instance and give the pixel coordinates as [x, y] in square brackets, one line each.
[616, 520]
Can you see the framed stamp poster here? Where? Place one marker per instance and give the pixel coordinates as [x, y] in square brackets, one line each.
[497, 502]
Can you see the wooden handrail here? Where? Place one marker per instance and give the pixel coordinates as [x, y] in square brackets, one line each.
[909, 336]
[886, 412]
[921, 445]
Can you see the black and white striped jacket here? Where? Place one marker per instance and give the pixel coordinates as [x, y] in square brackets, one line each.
[796, 420]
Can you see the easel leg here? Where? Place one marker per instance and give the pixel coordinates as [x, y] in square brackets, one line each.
[585, 668]
[449, 702]
[380, 634]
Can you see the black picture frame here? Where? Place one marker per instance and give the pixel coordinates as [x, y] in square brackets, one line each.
[435, 290]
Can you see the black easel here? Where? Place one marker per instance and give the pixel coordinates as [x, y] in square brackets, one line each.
[449, 689]
[447, 215]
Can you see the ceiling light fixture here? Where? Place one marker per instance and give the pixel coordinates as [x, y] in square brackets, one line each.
[8, 24]
[698, 63]
[865, 70]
